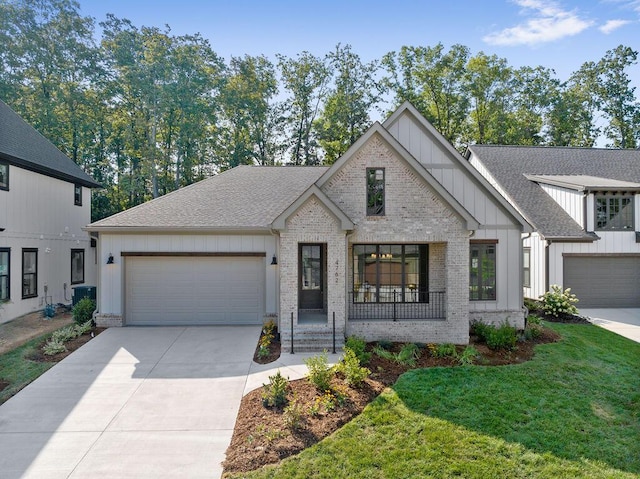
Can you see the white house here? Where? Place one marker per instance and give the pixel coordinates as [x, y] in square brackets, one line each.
[584, 204]
[45, 200]
[400, 239]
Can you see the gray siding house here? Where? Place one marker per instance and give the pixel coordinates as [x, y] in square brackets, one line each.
[584, 204]
[45, 201]
[400, 239]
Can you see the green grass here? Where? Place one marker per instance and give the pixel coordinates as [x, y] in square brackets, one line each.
[18, 370]
[571, 412]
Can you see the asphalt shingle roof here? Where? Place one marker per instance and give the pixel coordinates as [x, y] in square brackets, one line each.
[24, 146]
[509, 165]
[243, 198]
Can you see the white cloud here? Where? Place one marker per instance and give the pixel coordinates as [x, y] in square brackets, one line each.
[549, 22]
[612, 25]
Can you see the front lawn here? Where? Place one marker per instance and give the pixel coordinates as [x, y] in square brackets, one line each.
[573, 411]
[17, 371]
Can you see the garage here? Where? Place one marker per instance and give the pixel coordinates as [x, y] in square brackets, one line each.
[194, 290]
[602, 281]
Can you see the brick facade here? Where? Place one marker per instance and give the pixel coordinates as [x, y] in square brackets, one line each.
[413, 214]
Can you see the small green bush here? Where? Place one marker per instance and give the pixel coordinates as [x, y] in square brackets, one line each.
[556, 302]
[503, 337]
[63, 335]
[533, 319]
[444, 350]
[481, 330]
[274, 394]
[385, 344]
[532, 304]
[469, 356]
[320, 374]
[54, 347]
[84, 328]
[408, 355]
[358, 346]
[383, 353]
[83, 310]
[354, 374]
[293, 415]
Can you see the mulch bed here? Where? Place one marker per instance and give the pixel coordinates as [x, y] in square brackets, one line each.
[261, 436]
[39, 356]
[3, 384]
[274, 351]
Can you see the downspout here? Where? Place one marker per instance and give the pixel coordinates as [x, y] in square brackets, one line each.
[522, 240]
[276, 274]
[546, 265]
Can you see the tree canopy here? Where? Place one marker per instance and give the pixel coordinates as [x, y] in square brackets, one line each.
[145, 111]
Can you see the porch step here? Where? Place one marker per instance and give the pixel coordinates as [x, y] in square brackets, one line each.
[312, 341]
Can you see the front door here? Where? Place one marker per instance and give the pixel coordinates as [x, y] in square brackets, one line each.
[312, 276]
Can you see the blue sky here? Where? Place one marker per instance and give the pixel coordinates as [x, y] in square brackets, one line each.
[559, 34]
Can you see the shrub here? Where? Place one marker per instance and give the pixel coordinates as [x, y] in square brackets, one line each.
[354, 374]
[293, 415]
[320, 374]
[358, 346]
[444, 350]
[503, 337]
[54, 347]
[274, 394]
[63, 335]
[83, 310]
[385, 344]
[383, 353]
[408, 355]
[481, 330]
[468, 356]
[531, 304]
[83, 328]
[533, 319]
[556, 302]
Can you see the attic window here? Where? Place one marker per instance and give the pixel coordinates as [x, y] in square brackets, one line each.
[4, 175]
[614, 212]
[375, 191]
[77, 195]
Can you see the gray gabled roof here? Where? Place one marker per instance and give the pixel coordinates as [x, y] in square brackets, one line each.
[245, 198]
[509, 166]
[23, 146]
[585, 182]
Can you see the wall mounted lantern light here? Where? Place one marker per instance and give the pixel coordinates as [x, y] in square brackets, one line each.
[110, 259]
[274, 260]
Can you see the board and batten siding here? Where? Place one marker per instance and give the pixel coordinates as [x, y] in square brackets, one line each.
[497, 223]
[38, 211]
[111, 294]
[508, 278]
[570, 200]
[538, 266]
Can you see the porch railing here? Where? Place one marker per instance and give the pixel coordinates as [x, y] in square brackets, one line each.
[425, 305]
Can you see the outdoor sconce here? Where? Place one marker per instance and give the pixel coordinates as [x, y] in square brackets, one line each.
[274, 260]
[110, 259]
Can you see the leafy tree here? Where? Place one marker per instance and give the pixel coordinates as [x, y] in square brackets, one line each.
[617, 97]
[248, 122]
[434, 82]
[346, 111]
[305, 78]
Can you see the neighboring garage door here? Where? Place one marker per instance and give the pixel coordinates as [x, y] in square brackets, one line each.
[194, 290]
[604, 281]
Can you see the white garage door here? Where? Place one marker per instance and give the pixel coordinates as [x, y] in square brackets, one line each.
[604, 281]
[194, 290]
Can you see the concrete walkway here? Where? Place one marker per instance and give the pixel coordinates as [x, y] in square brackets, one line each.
[137, 403]
[625, 322]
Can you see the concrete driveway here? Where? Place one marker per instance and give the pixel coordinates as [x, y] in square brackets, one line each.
[625, 322]
[137, 403]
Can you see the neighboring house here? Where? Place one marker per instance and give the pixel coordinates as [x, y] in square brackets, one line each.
[584, 204]
[400, 239]
[45, 200]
